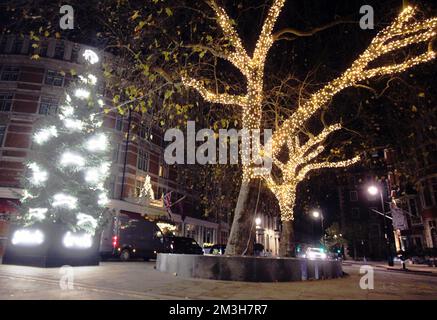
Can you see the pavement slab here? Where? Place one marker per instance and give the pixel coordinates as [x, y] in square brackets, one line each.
[139, 280]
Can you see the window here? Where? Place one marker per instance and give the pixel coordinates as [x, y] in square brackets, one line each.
[434, 188]
[2, 134]
[10, 74]
[356, 213]
[426, 194]
[48, 106]
[43, 47]
[413, 206]
[18, 45]
[75, 53]
[431, 152]
[353, 196]
[143, 160]
[143, 131]
[3, 44]
[54, 78]
[115, 153]
[138, 187]
[5, 101]
[59, 50]
[118, 123]
[163, 171]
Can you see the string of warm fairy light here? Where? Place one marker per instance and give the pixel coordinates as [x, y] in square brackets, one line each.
[251, 67]
[385, 42]
[296, 169]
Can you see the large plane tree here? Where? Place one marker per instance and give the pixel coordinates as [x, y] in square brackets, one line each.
[302, 154]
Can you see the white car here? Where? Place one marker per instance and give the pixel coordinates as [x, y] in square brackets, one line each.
[315, 253]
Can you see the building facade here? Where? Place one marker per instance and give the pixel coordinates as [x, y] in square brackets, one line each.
[32, 88]
[417, 199]
[360, 223]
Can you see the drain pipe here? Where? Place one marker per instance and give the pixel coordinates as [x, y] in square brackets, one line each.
[125, 153]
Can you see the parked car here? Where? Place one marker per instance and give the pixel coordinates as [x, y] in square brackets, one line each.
[182, 245]
[315, 253]
[218, 249]
[127, 237]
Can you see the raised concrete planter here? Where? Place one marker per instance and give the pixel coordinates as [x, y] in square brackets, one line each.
[253, 269]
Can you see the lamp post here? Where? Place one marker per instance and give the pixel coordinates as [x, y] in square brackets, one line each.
[317, 214]
[374, 190]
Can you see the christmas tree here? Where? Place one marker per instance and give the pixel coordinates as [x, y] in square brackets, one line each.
[67, 169]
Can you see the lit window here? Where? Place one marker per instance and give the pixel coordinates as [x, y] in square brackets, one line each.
[10, 74]
[54, 78]
[5, 101]
[48, 106]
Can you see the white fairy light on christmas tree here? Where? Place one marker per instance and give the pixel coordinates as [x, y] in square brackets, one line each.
[103, 199]
[73, 124]
[37, 213]
[82, 93]
[90, 56]
[45, 134]
[82, 241]
[97, 175]
[38, 175]
[86, 220]
[64, 200]
[76, 165]
[92, 79]
[69, 158]
[97, 143]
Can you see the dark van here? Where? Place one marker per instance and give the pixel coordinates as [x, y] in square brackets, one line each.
[128, 236]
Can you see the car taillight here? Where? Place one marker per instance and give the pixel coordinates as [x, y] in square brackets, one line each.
[114, 241]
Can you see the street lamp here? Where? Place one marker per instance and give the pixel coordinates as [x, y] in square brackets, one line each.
[258, 221]
[374, 190]
[317, 214]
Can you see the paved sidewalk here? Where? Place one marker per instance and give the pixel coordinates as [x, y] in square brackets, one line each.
[411, 268]
[139, 280]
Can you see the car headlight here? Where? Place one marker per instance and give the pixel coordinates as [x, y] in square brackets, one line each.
[27, 237]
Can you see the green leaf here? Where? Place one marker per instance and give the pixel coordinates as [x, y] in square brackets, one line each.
[168, 11]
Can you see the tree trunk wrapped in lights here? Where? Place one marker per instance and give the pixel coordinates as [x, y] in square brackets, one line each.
[403, 32]
[65, 186]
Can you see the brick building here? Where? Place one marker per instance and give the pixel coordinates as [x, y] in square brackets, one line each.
[417, 199]
[30, 89]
